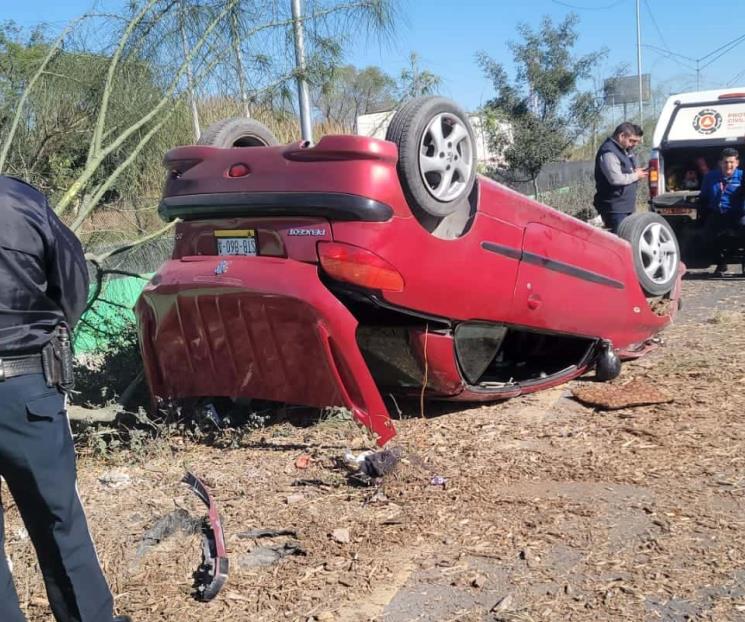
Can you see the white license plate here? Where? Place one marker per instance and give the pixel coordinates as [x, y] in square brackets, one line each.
[236, 242]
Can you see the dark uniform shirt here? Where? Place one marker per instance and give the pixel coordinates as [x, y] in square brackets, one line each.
[43, 276]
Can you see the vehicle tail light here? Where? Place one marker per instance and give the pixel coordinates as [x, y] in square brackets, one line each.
[358, 266]
[654, 176]
[732, 96]
[238, 170]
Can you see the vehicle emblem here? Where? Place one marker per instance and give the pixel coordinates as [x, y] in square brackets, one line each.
[707, 121]
[221, 268]
[307, 231]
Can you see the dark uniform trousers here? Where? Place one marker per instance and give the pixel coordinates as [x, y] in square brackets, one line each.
[37, 461]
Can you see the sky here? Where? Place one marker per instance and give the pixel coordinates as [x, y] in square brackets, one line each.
[447, 35]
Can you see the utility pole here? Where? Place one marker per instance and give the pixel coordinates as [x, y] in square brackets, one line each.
[302, 85]
[639, 61]
[189, 75]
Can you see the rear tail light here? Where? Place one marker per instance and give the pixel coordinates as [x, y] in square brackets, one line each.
[654, 176]
[732, 96]
[238, 170]
[356, 265]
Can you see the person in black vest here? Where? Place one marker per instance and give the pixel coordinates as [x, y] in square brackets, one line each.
[44, 291]
[617, 175]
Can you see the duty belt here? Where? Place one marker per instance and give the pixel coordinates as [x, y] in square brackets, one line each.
[11, 366]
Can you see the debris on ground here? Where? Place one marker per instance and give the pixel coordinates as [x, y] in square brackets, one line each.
[369, 466]
[165, 527]
[302, 461]
[341, 536]
[438, 480]
[255, 534]
[636, 392]
[115, 479]
[267, 556]
[213, 571]
[661, 305]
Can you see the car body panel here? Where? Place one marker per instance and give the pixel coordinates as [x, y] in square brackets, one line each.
[261, 328]
[276, 327]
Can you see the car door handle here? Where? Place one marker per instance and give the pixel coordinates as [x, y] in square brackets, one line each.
[534, 301]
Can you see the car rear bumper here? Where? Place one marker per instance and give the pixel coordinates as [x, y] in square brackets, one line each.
[255, 327]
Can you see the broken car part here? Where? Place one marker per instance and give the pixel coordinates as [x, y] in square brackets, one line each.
[213, 572]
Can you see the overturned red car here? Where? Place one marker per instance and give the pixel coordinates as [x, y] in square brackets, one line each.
[340, 272]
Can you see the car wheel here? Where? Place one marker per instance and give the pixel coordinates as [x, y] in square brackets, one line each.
[237, 132]
[436, 155]
[655, 250]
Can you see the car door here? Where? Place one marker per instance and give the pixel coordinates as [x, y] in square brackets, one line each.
[568, 283]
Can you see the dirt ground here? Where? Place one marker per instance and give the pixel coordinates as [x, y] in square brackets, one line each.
[550, 510]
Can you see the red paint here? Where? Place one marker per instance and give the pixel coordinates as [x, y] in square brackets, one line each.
[268, 327]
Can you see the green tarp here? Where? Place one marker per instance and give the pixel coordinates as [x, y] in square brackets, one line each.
[102, 325]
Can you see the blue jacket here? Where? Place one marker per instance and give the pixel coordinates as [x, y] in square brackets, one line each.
[722, 195]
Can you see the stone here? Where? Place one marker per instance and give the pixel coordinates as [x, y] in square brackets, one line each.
[341, 535]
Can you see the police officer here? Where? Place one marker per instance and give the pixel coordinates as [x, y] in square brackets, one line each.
[617, 175]
[44, 286]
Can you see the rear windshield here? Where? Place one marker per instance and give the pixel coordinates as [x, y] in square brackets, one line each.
[717, 121]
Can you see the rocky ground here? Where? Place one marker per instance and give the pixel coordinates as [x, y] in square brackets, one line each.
[549, 510]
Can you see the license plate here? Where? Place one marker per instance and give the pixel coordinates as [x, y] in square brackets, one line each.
[236, 242]
[677, 211]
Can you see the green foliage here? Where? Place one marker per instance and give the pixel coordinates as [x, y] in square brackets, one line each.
[51, 145]
[104, 376]
[88, 115]
[345, 92]
[536, 118]
[415, 81]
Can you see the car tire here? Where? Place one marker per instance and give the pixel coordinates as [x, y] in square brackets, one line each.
[655, 250]
[437, 174]
[237, 132]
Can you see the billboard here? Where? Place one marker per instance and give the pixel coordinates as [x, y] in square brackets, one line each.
[625, 89]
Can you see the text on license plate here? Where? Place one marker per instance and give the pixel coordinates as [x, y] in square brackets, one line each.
[236, 242]
[681, 211]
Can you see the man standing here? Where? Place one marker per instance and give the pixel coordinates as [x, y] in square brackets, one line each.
[617, 175]
[721, 201]
[44, 290]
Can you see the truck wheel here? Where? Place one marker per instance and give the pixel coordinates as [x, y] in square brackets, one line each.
[237, 132]
[655, 250]
[436, 155]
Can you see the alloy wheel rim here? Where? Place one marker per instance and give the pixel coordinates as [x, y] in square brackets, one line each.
[658, 254]
[446, 157]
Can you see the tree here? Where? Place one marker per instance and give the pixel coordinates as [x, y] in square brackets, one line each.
[536, 118]
[127, 90]
[346, 92]
[415, 82]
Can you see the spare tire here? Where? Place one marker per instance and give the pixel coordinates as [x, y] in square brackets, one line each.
[237, 132]
[655, 250]
[436, 154]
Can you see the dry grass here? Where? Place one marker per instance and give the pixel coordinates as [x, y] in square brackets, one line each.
[575, 514]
